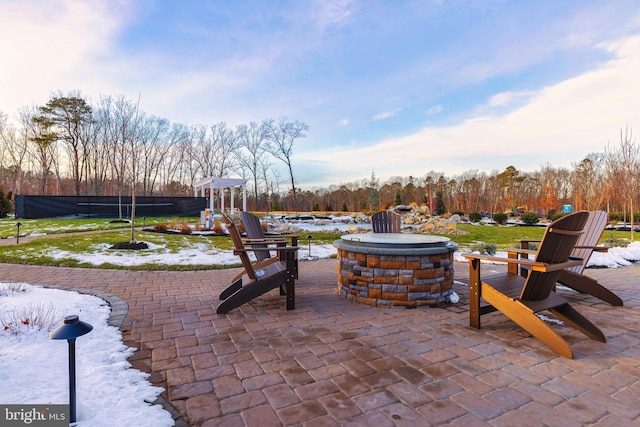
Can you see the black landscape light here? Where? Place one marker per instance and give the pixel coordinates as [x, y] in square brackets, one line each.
[144, 221]
[309, 239]
[71, 329]
[18, 224]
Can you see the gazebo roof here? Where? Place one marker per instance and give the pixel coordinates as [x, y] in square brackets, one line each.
[220, 182]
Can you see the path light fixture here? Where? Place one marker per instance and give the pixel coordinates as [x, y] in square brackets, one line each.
[71, 329]
[18, 224]
[309, 239]
[144, 221]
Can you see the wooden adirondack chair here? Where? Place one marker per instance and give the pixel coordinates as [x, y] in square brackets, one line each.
[259, 277]
[573, 277]
[256, 238]
[520, 298]
[386, 222]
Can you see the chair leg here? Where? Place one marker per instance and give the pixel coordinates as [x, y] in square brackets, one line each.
[290, 281]
[235, 286]
[527, 320]
[587, 285]
[474, 293]
[570, 316]
[243, 295]
[250, 291]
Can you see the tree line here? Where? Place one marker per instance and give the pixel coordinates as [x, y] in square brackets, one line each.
[70, 147]
[112, 147]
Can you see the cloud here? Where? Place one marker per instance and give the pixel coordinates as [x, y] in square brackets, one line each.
[331, 12]
[506, 99]
[343, 122]
[434, 110]
[49, 45]
[558, 124]
[386, 114]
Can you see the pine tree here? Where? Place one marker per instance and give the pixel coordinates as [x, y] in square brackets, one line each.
[441, 209]
[374, 197]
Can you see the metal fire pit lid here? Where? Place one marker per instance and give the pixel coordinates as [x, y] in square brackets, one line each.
[395, 240]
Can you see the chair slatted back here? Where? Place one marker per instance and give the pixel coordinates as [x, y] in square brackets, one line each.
[556, 246]
[239, 246]
[386, 222]
[254, 230]
[593, 229]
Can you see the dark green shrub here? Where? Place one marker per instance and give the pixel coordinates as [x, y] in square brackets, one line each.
[557, 215]
[5, 204]
[457, 213]
[500, 218]
[441, 209]
[475, 216]
[616, 217]
[529, 218]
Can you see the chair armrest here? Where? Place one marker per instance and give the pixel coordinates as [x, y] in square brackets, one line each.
[276, 249]
[535, 265]
[598, 248]
[521, 251]
[265, 241]
[528, 240]
[292, 237]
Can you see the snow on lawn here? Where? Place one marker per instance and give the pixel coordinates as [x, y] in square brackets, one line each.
[34, 368]
[203, 255]
[193, 255]
[615, 257]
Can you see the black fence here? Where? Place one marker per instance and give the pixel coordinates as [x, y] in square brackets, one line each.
[30, 207]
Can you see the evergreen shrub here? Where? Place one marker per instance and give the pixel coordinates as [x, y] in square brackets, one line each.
[475, 216]
[500, 218]
[529, 218]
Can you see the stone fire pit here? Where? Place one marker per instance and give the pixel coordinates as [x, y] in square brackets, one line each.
[395, 269]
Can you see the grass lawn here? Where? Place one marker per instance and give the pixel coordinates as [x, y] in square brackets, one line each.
[8, 227]
[61, 250]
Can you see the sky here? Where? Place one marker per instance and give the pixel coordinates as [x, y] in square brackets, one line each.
[109, 392]
[395, 88]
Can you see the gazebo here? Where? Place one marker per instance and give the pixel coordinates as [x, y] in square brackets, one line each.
[221, 183]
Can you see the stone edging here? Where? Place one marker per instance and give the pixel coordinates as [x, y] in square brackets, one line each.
[119, 307]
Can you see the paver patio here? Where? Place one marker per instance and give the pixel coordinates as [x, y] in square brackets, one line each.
[333, 362]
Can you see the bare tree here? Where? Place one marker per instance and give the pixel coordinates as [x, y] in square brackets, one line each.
[252, 144]
[265, 167]
[172, 156]
[180, 168]
[225, 143]
[153, 147]
[13, 151]
[124, 138]
[282, 135]
[38, 130]
[99, 135]
[623, 169]
[588, 182]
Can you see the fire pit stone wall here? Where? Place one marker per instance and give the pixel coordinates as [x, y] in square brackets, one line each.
[421, 277]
